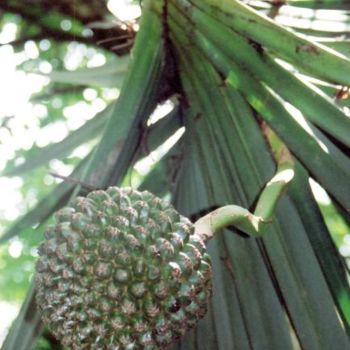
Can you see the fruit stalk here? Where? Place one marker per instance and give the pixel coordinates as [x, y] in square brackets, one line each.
[241, 218]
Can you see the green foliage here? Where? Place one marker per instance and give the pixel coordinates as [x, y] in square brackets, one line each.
[232, 73]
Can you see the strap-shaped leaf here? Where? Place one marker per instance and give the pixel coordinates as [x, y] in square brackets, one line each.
[333, 265]
[45, 207]
[157, 134]
[293, 269]
[296, 136]
[236, 298]
[266, 290]
[138, 94]
[301, 52]
[41, 156]
[317, 107]
[27, 326]
[320, 4]
[111, 74]
[303, 144]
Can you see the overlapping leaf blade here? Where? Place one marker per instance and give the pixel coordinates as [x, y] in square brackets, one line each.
[27, 327]
[317, 107]
[41, 156]
[332, 264]
[293, 270]
[45, 207]
[137, 99]
[267, 291]
[233, 302]
[320, 4]
[111, 74]
[283, 42]
[272, 110]
[130, 109]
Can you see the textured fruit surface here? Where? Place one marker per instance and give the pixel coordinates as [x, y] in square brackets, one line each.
[121, 269]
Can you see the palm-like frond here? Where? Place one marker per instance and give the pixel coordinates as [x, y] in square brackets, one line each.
[238, 74]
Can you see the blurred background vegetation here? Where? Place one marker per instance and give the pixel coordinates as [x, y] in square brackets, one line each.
[61, 66]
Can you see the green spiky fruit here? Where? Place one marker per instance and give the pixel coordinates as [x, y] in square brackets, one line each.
[121, 269]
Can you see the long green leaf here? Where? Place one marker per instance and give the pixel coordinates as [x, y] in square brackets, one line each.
[27, 326]
[320, 4]
[229, 322]
[138, 94]
[111, 74]
[45, 207]
[319, 108]
[311, 56]
[41, 156]
[310, 326]
[303, 144]
[259, 285]
[304, 96]
[333, 265]
[342, 46]
[156, 181]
